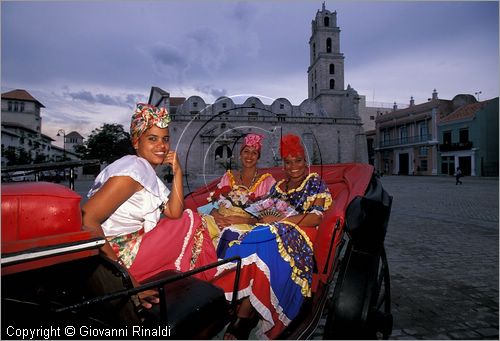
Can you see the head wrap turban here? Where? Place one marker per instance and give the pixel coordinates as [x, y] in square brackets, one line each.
[253, 140]
[291, 146]
[144, 117]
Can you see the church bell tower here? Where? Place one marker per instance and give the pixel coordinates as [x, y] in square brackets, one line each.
[326, 69]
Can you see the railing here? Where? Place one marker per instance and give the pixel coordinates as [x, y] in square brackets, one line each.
[39, 167]
[448, 147]
[269, 119]
[406, 140]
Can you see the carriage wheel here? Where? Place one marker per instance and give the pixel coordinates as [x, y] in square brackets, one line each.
[380, 319]
[361, 306]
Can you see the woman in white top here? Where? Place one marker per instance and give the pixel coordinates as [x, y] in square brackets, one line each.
[128, 197]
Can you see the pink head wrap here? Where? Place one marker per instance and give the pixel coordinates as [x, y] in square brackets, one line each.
[144, 117]
[253, 140]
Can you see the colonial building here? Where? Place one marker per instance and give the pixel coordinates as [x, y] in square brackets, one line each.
[469, 139]
[408, 140]
[22, 137]
[208, 135]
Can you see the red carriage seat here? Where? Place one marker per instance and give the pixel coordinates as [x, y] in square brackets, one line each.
[42, 225]
[345, 182]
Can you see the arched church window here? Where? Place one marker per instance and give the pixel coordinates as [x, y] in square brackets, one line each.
[326, 20]
[223, 154]
[332, 83]
[329, 45]
[332, 69]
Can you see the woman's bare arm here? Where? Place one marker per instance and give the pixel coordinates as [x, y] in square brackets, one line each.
[104, 202]
[175, 204]
[306, 219]
[100, 206]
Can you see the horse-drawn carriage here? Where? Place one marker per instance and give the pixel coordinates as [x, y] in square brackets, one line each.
[56, 283]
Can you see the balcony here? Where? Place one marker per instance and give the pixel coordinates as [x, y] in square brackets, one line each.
[406, 140]
[450, 147]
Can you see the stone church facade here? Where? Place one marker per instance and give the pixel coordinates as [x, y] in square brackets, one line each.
[208, 136]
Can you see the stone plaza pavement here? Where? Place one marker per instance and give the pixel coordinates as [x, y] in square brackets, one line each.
[442, 246]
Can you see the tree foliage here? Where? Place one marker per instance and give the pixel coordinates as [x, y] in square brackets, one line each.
[107, 143]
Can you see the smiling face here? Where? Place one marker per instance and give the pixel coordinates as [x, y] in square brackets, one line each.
[295, 167]
[153, 145]
[249, 157]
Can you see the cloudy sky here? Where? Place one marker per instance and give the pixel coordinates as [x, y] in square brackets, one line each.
[89, 62]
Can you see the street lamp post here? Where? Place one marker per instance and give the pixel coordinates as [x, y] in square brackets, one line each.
[59, 132]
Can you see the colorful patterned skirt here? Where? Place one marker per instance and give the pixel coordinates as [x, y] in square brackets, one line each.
[276, 274]
[174, 244]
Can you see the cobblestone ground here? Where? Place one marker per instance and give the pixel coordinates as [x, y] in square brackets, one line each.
[442, 247]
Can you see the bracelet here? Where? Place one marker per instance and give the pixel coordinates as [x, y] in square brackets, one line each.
[317, 212]
[120, 262]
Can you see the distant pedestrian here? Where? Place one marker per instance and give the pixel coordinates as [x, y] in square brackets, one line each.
[458, 175]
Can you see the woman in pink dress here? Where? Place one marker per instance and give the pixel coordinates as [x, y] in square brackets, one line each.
[127, 199]
[234, 191]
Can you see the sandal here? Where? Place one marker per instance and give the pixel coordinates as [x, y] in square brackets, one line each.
[241, 327]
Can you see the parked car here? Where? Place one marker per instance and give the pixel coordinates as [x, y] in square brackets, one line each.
[22, 176]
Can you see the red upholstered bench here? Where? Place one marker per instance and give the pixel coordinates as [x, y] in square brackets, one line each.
[345, 181]
[41, 226]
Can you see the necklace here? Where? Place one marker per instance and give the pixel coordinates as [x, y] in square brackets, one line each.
[297, 183]
[252, 182]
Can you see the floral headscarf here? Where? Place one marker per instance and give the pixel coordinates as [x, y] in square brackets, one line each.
[291, 146]
[144, 117]
[253, 140]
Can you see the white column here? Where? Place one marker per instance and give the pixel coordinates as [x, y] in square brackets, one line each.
[435, 140]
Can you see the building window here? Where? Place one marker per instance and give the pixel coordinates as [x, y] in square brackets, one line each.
[329, 45]
[448, 165]
[387, 136]
[21, 109]
[195, 104]
[16, 106]
[463, 135]
[423, 151]
[423, 165]
[332, 69]
[281, 117]
[326, 21]
[224, 105]
[332, 84]
[282, 106]
[403, 134]
[447, 137]
[253, 116]
[10, 105]
[422, 127]
[314, 50]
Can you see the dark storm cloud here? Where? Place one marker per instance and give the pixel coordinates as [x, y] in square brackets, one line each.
[127, 100]
[108, 54]
[214, 92]
[168, 56]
